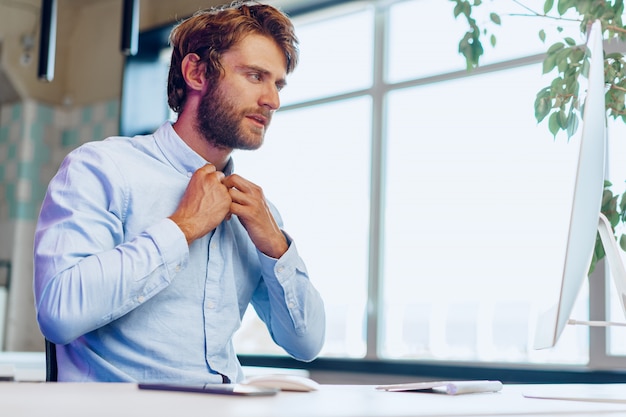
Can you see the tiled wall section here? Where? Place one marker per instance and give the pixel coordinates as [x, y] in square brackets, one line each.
[11, 128]
[34, 139]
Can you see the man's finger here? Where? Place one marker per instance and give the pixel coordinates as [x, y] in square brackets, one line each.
[237, 182]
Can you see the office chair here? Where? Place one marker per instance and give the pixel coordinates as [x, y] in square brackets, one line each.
[51, 361]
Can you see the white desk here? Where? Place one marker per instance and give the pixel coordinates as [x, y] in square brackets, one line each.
[19, 399]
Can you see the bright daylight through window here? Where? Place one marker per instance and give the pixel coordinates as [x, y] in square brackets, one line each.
[419, 193]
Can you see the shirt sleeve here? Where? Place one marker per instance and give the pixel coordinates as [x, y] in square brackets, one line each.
[86, 274]
[290, 305]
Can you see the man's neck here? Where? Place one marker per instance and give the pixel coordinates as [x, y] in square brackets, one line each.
[215, 155]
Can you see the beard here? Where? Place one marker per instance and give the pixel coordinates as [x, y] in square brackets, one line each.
[219, 122]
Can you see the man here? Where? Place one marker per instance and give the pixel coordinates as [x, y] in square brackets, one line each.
[148, 250]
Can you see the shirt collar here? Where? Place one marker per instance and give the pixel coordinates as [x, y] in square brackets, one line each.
[184, 159]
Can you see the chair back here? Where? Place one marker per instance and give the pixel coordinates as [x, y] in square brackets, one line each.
[51, 361]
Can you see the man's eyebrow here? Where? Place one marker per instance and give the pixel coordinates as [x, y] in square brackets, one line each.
[281, 83]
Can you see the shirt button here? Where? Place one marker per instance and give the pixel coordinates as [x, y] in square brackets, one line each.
[141, 299]
[280, 268]
[189, 174]
[291, 304]
[177, 268]
[210, 304]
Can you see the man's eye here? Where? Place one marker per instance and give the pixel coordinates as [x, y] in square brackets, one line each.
[256, 76]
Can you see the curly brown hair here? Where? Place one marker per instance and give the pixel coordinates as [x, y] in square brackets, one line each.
[211, 32]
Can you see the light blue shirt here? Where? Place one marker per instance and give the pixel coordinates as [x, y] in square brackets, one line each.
[123, 295]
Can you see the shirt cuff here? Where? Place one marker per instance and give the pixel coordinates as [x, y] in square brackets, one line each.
[171, 243]
[284, 267]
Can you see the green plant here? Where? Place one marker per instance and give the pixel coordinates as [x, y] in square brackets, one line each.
[559, 103]
[614, 208]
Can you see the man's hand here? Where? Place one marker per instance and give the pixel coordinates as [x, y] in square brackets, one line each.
[205, 204]
[249, 205]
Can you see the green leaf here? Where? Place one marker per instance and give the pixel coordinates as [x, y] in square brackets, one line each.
[584, 8]
[547, 6]
[492, 40]
[467, 9]
[562, 119]
[572, 124]
[542, 35]
[598, 250]
[462, 7]
[555, 47]
[477, 50]
[570, 41]
[592, 264]
[584, 69]
[562, 60]
[458, 9]
[607, 196]
[563, 5]
[553, 124]
[542, 107]
[471, 49]
[622, 242]
[549, 63]
[577, 55]
[495, 18]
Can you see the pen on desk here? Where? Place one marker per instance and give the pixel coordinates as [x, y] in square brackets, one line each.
[446, 387]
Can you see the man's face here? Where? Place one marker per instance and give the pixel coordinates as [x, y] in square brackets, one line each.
[236, 111]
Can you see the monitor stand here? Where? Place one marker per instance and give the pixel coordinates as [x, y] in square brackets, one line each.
[616, 267]
[607, 392]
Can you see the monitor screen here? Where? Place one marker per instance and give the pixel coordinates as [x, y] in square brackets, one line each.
[587, 199]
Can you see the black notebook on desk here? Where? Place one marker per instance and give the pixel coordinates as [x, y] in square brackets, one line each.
[224, 389]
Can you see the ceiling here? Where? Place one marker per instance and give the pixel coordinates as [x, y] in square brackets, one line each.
[18, 17]
[20, 24]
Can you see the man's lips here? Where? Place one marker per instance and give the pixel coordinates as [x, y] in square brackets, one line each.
[259, 119]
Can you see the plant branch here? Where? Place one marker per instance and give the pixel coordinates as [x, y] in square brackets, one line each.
[545, 16]
[616, 28]
[618, 112]
[525, 7]
[617, 87]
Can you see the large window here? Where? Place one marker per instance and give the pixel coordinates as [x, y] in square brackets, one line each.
[315, 167]
[429, 205]
[474, 225]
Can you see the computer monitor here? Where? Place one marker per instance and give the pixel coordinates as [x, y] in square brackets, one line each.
[586, 220]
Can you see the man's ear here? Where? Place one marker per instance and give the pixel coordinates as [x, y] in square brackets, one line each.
[193, 71]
